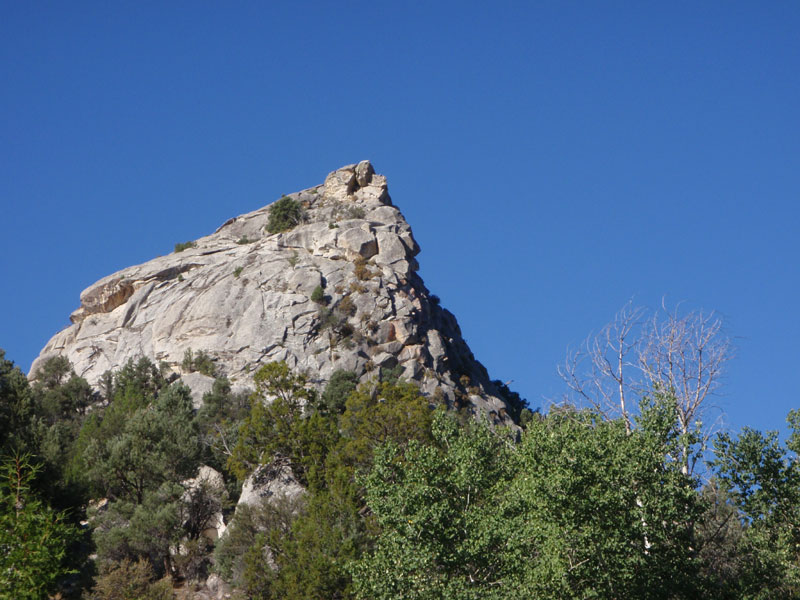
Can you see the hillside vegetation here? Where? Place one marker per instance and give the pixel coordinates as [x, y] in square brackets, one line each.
[403, 499]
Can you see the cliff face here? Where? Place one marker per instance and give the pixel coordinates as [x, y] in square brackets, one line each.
[243, 296]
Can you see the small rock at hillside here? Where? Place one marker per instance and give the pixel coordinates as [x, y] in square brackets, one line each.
[270, 482]
[200, 385]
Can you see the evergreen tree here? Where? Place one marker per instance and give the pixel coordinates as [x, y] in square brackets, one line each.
[326, 451]
[342, 383]
[16, 408]
[34, 539]
[141, 468]
[762, 479]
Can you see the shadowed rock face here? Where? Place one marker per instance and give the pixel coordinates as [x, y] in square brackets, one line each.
[243, 296]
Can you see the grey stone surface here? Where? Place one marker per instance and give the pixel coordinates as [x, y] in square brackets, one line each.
[243, 296]
[364, 173]
[270, 482]
[199, 384]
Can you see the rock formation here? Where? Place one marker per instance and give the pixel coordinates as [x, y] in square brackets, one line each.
[244, 297]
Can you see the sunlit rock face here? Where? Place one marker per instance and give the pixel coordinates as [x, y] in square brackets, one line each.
[244, 296]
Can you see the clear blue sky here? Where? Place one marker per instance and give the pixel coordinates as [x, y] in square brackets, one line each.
[554, 159]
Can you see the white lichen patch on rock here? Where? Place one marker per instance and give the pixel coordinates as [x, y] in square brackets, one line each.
[243, 296]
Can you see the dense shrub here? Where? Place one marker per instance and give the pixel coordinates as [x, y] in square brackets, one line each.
[200, 362]
[284, 215]
[341, 385]
[318, 295]
[126, 580]
[271, 517]
[180, 247]
[218, 422]
[34, 538]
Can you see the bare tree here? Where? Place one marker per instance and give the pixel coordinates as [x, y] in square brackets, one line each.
[686, 356]
[603, 370]
[636, 354]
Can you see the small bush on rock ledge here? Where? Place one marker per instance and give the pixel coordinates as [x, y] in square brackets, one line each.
[318, 295]
[180, 247]
[200, 362]
[284, 215]
[362, 271]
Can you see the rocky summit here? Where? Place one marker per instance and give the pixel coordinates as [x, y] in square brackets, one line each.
[338, 290]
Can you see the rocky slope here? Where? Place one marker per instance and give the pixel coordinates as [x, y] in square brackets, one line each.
[243, 296]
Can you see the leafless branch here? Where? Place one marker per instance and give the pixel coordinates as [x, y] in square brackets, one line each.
[680, 354]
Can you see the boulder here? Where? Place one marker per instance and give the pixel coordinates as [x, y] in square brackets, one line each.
[391, 249]
[269, 482]
[200, 385]
[363, 173]
[359, 242]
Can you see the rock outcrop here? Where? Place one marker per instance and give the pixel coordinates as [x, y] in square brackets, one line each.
[243, 296]
[270, 483]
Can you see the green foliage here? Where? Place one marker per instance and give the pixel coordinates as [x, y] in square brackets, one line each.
[304, 555]
[294, 258]
[268, 430]
[34, 539]
[237, 271]
[194, 560]
[328, 535]
[234, 555]
[443, 532]
[334, 321]
[218, 422]
[60, 393]
[137, 454]
[154, 443]
[200, 362]
[244, 240]
[392, 411]
[761, 476]
[136, 384]
[181, 246]
[167, 517]
[391, 375]
[16, 407]
[318, 295]
[719, 539]
[579, 509]
[44, 419]
[609, 512]
[133, 528]
[285, 214]
[332, 530]
[342, 383]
